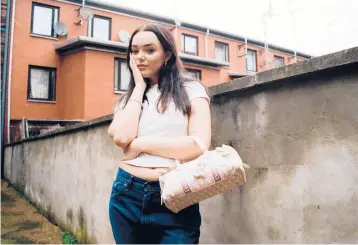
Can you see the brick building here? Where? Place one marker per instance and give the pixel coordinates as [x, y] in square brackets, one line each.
[55, 80]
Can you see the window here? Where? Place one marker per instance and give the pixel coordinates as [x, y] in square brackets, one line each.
[279, 61]
[43, 18]
[222, 51]
[122, 75]
[100, 27]
[41, 83]
[195, 74]
[251, 64]
[190, 44]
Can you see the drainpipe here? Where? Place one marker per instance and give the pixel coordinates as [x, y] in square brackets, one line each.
[206, 43]
[246, 53]
[3, 87]
[10, 70]
[177, 25]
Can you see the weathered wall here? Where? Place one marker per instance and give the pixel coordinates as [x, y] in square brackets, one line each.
[69, 177]
[301, 141]
[297, 127]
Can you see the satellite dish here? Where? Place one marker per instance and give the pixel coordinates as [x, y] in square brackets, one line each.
[60, 28]
[123, 36]
[85, 13]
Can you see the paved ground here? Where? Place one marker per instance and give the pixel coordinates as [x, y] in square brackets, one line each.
[21, 223]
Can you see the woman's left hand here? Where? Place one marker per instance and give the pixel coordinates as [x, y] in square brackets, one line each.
[132, 150]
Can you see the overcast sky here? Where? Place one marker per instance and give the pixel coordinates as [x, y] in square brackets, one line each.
[315, 27]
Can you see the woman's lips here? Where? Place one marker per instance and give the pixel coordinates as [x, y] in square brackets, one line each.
[141, 67]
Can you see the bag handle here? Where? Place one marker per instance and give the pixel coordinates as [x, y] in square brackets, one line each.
[199, 142]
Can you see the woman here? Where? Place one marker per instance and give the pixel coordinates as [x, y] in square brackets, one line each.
[151, 124]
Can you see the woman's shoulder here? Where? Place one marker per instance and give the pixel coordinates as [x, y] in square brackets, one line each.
[195, 89]
[193, 84]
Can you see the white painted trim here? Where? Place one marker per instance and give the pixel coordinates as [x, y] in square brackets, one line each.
[45, 37]
[92, 40]
[250, 73]
[104, 50]
[10, 70]
[42, 101]
[119, 92]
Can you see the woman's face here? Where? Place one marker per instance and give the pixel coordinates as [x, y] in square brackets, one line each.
[148, 53]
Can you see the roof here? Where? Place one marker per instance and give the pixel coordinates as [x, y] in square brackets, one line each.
[82, 42]
[171, 21]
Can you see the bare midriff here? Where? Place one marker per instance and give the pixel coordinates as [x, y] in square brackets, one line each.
[150, 174]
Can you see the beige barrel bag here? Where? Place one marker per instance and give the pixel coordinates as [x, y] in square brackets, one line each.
[214, 172]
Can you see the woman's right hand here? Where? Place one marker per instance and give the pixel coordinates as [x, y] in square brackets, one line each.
[138, 78]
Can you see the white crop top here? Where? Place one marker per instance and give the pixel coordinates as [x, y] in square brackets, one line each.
[171, 123]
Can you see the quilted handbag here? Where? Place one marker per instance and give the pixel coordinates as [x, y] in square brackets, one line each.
[214, 172]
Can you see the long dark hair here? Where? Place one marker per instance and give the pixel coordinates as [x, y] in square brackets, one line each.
[171, 76]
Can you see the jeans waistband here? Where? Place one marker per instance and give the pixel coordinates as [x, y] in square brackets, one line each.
[138, 182]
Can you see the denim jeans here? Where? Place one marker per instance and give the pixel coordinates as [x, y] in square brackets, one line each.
[137, 216]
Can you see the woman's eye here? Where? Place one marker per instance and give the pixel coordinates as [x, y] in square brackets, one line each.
[151, 50]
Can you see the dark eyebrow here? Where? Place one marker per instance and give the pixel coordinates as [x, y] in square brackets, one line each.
[150, 44]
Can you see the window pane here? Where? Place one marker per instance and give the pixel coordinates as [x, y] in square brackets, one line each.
[39, 82]
[89, 28]
[42, 21]
[125, 76]
[279, 61]
[182, 42]
[251, 60]
[53, 86]
[221, 52]
[100, 28]
[194, 74]
[190, 45]
[55, 19]
[116, 81]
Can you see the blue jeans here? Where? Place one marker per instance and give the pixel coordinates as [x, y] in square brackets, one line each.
[137, 216]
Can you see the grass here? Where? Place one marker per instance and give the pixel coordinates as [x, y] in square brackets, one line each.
[67, 238]
[21, 223]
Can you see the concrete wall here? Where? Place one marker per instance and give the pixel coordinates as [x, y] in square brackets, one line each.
[296, 126]
[301, 139]
[68, 177]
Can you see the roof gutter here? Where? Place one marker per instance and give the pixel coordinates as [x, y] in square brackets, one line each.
[89, 43]
[187, 25]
